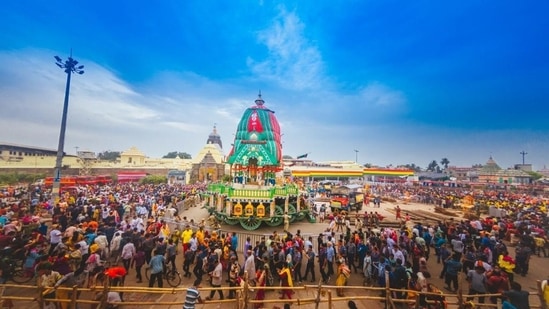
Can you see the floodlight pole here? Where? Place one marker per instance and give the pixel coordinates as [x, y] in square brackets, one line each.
[69, 66]
[356, 156]
[523, 153]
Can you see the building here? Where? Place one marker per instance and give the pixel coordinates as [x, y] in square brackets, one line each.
[214, 138]
[209, 164]
[462, 173]
[30, 159]
[492, 173]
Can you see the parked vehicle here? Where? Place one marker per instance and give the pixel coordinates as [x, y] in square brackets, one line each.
[347, 197]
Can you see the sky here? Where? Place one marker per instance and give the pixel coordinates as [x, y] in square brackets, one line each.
[401, 82]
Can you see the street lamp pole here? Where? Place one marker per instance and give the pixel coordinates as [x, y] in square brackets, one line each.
[69, 66]
[356, 156]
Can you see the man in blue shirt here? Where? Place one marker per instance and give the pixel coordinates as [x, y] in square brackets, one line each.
[453, 267]
[157, 268]
[193, 296]
[330, 258]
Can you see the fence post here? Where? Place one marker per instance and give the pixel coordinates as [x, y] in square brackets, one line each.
[460, 299]
[329, 299]
[104, 296]
[319, 290]
[245, 292]
[40, 297]
[5, 303]
[388, 297]
[540, 295]
[74, 296]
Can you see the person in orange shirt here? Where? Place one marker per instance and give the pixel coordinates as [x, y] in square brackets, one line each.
[93, 225]
[200, 235]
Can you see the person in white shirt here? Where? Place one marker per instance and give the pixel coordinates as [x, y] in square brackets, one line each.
[55, 237]
[83, 247]
[367, 268]
[115, 245]
[137, 223]
[391, 244]
[249, 266]
[128, 252]
[217, 276]
[308, 243]
[397, 253]
[103, 243]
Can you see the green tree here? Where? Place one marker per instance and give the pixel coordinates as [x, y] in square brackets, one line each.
[19, 178]
[444, 162]
[413, 167]
[154, 180]
[433, 166]
[535, 175]
[368, 165]
[287, 157]
[109, 155]
[174, 154]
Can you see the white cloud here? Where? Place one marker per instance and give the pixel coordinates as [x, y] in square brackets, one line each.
[104, 111]
[177, 112]
[377, 94]
[293, 62]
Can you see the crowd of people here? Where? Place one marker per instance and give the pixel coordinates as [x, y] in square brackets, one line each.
[94, 229]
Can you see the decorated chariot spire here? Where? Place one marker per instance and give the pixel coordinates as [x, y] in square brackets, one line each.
[259, 101]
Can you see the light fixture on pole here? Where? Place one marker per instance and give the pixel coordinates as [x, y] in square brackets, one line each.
[356, 156]
[69, 66]
[523, 153]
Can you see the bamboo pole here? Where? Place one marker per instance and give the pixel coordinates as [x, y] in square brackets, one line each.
[245, 292]
[319, 290]
[244, 298]
[74, 296]
[330, 299]
[40, 297]
[540, 295]
[461, 303]
[104, 297]
[388, 297]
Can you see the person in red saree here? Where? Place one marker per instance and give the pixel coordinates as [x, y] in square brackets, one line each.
[285, 275]
[261, 282]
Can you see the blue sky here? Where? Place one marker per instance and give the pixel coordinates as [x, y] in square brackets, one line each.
[400, 81]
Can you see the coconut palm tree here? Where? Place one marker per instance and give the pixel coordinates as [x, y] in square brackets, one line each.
[444, 162]
[433, 166]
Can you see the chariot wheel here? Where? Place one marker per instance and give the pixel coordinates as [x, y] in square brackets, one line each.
[219, 216]
[231, 221]
[277, 219]
[251, 223]
[292, 212]
[301, 215]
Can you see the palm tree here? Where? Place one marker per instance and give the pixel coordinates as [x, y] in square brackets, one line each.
[433, 166]
[444, 162]
[413, 167]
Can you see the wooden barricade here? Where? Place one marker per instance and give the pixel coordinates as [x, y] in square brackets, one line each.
[34, 296]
